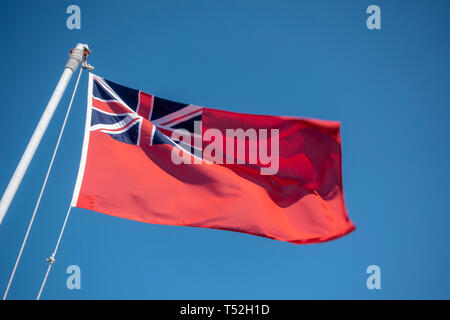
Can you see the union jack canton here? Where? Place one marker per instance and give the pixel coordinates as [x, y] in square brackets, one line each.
[121, 112]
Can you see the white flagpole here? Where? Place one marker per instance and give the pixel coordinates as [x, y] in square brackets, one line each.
[76, 56]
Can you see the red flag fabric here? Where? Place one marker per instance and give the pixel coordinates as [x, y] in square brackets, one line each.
[152, 160]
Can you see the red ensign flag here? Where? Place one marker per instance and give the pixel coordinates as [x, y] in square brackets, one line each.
[153, 160]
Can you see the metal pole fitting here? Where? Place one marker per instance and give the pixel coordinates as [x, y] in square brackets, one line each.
[77, 55]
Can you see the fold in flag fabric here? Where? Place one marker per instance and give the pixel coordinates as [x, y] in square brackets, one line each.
[157, 161]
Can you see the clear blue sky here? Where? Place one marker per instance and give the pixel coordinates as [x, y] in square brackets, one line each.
[389, 87]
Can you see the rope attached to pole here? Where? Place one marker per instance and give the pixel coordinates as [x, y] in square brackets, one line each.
[42, 191]
[51, 259]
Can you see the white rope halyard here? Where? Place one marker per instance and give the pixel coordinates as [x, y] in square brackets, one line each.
[51, 259]
[40, 197]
